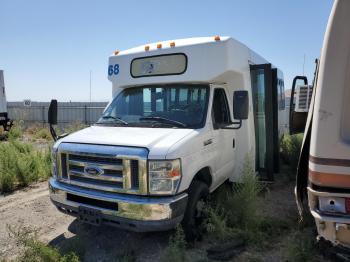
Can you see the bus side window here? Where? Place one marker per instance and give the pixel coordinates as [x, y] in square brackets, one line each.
[221, 111]
[281, 96]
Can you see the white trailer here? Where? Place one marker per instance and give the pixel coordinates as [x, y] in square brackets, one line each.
[4, 120]
[323, 175]
[184, 115]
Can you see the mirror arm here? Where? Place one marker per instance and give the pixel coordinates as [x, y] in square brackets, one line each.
[53, 133]
[239, 123]
[62, 136]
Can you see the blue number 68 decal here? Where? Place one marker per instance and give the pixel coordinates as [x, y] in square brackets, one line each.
[113, 69]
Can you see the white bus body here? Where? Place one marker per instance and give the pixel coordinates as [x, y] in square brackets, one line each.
[158, 154]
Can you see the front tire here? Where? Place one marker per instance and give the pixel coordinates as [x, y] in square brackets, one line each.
[194, 215]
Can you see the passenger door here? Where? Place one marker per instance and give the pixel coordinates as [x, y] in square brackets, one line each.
[264, 94]
[223, 138]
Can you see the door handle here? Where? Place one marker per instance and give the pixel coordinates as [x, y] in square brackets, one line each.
[233, 143]
[208, 142]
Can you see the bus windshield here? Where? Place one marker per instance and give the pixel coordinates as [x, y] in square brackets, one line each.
[181, 106]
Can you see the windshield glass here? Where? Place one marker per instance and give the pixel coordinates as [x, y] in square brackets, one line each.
[183, 106]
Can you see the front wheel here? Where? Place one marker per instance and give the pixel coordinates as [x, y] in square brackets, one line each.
[194, 215]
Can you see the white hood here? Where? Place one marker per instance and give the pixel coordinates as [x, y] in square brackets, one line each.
[157, 140]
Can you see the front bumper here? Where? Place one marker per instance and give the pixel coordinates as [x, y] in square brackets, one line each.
[334, 228]
[136, 213]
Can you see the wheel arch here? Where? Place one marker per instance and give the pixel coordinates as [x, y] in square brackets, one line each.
[204, 175]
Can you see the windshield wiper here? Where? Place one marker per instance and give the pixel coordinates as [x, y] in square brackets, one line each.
[115, 118]
[163, 119]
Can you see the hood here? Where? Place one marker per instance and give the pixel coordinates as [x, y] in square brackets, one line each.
[157, 140]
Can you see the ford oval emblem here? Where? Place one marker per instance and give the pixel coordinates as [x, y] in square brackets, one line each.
[93, 170]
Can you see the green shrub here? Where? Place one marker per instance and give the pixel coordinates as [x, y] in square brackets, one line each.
[15, 132]
[127, 256]
[242, 203]
[43, 133]
[21, 164]
[36, 251]
[37, 131]
[7, 181]
[176, 249]
[237, 211]
[290, 149]
[73, 127]
[216, 224]
[300, 247]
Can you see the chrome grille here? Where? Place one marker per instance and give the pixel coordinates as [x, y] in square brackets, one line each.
[115, 169]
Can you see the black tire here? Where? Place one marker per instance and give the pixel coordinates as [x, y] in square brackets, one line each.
[193, 218]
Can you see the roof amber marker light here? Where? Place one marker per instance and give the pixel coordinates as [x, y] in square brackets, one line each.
[159, 46]
[217, 38]
[147, 48]
[116, 52]
[172, 44]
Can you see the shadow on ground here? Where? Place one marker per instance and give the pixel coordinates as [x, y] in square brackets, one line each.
[106, 243]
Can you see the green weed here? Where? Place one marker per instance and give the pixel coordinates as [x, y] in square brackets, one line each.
[300, 247]
[36, 251]
[15, 132]
[290, 149]
[216, 224]
[176, 249]
[237, 211]
[21, 164]
[242, 204]
[36, 131]
[73, 127]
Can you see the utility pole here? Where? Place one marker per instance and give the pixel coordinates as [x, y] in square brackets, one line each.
[90, 85]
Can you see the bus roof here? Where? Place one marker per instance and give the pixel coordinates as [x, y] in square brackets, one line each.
[208, 60]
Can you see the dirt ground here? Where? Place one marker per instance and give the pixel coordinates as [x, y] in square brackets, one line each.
[32, 207]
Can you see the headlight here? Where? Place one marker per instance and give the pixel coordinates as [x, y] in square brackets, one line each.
[54, 162]
[164, 176]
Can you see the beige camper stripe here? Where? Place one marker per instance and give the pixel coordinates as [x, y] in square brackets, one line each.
[329, 161]
[329, 179]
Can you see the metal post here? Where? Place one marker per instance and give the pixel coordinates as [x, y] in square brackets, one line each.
[90, 85]
[85, 114]
[43, 115]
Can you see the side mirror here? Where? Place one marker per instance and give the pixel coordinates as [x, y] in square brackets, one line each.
[52, 114]
[297, 118]
[240, 104]
[52, 118]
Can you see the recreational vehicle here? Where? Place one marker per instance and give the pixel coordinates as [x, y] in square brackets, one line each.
[184, 116]
[323, 175]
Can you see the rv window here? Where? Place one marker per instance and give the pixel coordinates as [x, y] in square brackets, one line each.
[221, 111]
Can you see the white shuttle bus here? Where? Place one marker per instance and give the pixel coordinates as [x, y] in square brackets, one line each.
[323, 176]
[5, 122]
[183, 118]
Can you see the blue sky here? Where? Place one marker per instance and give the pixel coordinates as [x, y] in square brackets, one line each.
[47, 48]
